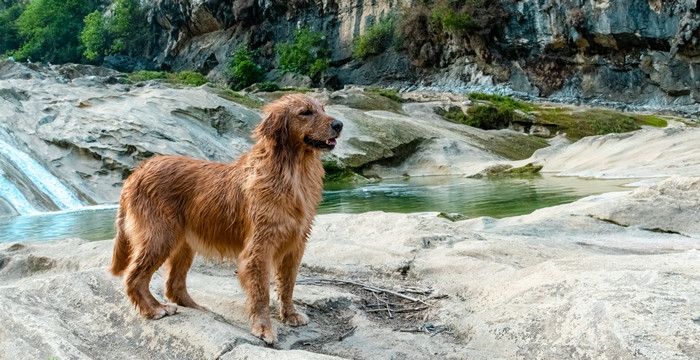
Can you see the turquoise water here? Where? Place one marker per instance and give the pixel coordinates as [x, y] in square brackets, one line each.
[470, 197]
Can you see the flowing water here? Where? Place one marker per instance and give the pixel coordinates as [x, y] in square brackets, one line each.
[22, 178]
[470, 197]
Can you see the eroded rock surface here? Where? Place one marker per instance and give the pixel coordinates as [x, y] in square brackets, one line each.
[589, 279]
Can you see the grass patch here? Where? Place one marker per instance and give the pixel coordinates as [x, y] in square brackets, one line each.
[187, 78]
[529, 170]
[392, 94]
[587, 122]
[368, 100]
[239, 98]
[501, 101]
[514, 146]
[651, 120]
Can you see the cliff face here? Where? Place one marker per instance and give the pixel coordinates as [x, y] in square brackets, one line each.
[639, 52]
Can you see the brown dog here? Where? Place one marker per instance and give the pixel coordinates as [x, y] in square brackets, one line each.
[257, 210]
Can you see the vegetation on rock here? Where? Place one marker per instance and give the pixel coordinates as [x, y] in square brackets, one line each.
[306, 54]
[392, 94]
[492, 112]
[61, 31]
[375, 40]
[9, 32]
[187, 78]
[239, 98]
[243, 69]
[50, 29]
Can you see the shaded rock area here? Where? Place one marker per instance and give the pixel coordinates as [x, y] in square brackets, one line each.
[590, 279]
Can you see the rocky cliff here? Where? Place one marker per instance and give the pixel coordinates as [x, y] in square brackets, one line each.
[636, 52]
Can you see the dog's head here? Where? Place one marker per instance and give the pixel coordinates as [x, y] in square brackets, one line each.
[298, 120]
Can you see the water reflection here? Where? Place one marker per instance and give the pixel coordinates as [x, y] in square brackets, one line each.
[471, 197]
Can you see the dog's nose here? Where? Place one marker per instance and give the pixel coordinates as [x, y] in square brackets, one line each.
[337, 125]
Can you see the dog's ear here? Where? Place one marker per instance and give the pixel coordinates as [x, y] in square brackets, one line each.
[274, 127]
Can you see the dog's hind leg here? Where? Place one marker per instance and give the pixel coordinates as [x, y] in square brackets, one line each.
[154, 248]
[178, 264]
[254, 274]
[287, 266]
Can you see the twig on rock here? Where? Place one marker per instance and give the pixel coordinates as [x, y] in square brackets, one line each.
[367, 287]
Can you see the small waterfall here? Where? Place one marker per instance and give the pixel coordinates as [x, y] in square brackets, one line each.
[40, 178]
[11, 193]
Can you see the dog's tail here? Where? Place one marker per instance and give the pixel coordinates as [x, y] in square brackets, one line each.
[122, 249]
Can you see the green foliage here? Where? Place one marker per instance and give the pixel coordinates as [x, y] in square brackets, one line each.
[392, 94]
[187, 78]
[502, 101]
[93, 36]
[456, 115]
[9, 33]
[451, 20]
[240, 98]
[145, 75]
[122, 33]
[375, 40]
[651, 120]
[268, 86]
[50, 29]
[306, 54]
[243, 70]
[487, 117]
[127, 28]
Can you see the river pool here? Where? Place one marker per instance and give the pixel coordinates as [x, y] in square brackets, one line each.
[469, 197]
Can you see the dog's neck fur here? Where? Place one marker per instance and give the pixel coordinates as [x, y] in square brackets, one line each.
[287, 162]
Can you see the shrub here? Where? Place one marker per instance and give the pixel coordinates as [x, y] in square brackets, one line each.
[489, 117]
[93, 36]
[50, 29]
[243, 70]
[306, 54]
[451, 20]
[456, 115]
[268, 86]
[375, 40]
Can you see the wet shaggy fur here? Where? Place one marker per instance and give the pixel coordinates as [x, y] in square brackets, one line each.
[257, 210]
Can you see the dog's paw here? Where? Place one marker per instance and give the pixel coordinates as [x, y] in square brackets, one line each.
[264, 332]
[296, 319]
[163, 311]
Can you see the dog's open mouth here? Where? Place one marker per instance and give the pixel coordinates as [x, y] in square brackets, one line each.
[322, 144]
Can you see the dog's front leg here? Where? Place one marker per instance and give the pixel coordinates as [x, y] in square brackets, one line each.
[254, 274]
[287, 266]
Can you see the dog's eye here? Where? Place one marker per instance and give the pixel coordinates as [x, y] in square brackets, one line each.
[306, 112]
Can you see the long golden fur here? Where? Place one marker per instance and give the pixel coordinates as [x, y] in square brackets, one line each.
[257, 210]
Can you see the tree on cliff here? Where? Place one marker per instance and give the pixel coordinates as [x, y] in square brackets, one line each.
[9, 34]
[123, 33]
[50, 28]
